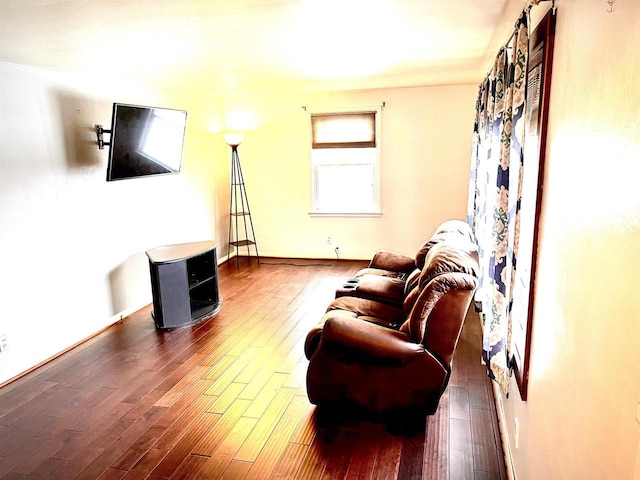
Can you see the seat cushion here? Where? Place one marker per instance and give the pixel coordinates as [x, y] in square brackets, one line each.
[370, 310]
[379, 288]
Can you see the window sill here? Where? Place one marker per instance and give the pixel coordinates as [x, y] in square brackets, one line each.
[346, 214]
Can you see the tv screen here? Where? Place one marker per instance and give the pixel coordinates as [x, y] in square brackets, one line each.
[145, 141]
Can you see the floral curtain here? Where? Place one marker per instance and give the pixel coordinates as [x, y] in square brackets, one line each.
[494, 195]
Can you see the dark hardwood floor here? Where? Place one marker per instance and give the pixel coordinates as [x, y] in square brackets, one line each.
[226, 399]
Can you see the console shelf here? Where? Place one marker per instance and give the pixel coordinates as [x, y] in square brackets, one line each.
[184, 283]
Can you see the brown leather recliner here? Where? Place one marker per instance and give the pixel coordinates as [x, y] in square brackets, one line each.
[391, 276]
[358, 358]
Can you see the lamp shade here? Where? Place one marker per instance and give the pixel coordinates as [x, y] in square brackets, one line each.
[233, 139]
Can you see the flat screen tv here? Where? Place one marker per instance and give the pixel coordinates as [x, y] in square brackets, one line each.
[145, 141]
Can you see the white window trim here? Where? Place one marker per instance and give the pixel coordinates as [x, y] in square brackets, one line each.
[377, 212]
[346, 214]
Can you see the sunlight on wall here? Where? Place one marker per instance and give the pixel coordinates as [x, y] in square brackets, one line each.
[596, 184]
[599, 163]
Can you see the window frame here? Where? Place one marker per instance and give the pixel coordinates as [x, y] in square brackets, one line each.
[375, 211]
[541, 44]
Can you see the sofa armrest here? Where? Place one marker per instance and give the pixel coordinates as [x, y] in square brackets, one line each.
[392, 261]
[315, 334]
[356, 339]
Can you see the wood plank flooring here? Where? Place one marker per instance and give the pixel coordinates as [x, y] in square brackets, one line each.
[226, 399]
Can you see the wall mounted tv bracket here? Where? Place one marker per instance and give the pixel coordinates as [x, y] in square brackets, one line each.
[100, 132]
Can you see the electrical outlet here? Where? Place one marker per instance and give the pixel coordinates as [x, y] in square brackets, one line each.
[516, 433]
[4, 345]
[329, 240]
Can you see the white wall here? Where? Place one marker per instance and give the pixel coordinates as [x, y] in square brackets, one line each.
[579, 420]
[426, 147]
[72, 244]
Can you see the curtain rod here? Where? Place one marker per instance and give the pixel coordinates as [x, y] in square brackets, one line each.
[531, 3]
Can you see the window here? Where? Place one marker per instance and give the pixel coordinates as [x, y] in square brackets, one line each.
[344, 157]
[541, 42]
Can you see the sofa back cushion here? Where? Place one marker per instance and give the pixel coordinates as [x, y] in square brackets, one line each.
[455, 226]
[445, 256]
[449, 256]
[439, 312]
[449, 230]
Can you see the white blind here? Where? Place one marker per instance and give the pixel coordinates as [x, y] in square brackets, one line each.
[344, 130]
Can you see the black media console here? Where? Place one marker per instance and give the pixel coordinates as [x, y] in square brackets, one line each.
[184, 283]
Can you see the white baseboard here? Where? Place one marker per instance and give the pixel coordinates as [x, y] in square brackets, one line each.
[504, 432]
[227, 257]
[118, 317]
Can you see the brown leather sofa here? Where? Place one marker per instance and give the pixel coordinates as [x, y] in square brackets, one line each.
[390, 359]
[391, 276]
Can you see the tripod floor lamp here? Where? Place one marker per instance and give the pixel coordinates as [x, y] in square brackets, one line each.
[241, 233]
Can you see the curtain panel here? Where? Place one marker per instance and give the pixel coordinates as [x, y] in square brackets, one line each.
[495, 190]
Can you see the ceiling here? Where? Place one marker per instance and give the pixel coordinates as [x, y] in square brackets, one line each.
[228, 46]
